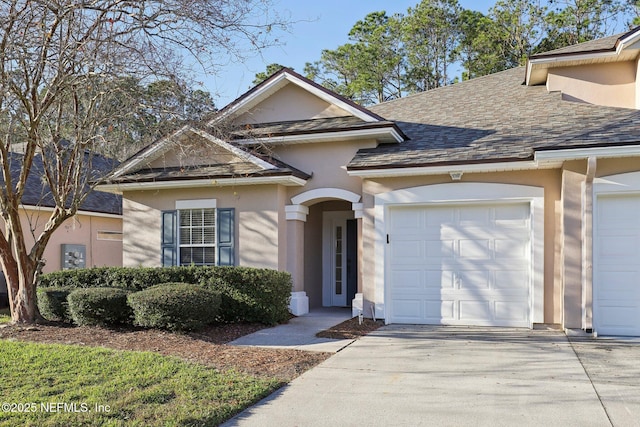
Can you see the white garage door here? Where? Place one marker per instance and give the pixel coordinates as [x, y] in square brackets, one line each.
[460, 265]
[617, 270]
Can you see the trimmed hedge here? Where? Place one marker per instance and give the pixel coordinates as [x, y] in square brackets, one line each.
[53, 305]
[251, 294]
[248, 294]
[99, 306]
[174, 306]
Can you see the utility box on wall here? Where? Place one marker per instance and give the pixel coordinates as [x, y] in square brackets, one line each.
[73, 256]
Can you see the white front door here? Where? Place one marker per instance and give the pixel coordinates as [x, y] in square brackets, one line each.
[334, 258]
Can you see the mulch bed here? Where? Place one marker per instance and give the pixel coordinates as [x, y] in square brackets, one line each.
[351, 329]
[207, 347]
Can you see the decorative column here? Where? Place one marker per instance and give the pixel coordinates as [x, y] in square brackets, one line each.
[296, 216]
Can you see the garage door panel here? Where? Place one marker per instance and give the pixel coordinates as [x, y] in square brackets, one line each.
[617, 265]
[475, 266]
[407, 280]
[505, 279]
[439, 279]
[439, 249]
[472, 311]
[439, 217]
[408, 251]
[509, 248]
[475, 249]
[510, 310]
[474, 280]
[614, 247]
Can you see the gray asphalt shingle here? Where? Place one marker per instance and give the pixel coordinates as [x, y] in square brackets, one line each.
[493, 118]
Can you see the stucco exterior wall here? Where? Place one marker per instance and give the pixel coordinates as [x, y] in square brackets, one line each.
[550, 180]
[258, 210]
[83, 230]
[290, 103]
[611, 84]
[326, 162]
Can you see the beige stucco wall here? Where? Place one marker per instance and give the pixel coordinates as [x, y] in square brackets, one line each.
[259, 243]
[550, 180]
[611, 84]
[83, 230]
[325, 161]
[290, 103]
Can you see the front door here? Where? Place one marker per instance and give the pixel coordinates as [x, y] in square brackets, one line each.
[337, 263]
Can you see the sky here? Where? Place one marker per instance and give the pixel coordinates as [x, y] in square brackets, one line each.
[317, 25]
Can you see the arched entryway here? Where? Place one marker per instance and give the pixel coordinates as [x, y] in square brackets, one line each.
[323, 249]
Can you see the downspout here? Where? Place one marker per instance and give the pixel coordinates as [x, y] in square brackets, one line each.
[587, 245]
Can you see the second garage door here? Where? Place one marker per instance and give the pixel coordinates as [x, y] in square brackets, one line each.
[617, 261]
[460, 264]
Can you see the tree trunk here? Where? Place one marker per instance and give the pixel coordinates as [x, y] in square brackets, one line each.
[21, 287]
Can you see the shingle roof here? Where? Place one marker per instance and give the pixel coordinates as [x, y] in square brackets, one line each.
[491, 119]
[36, 192]
[303, 127]
[217, 171]
[598, 45]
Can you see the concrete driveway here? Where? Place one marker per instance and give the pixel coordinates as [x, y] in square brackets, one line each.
[454, 376]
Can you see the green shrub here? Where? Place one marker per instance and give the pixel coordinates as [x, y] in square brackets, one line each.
[252, 294]
[175, 306]
[248, 294]
[99, 306]
[52, 303]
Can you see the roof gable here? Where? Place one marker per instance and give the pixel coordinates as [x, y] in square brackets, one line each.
[617, 48]
[169, 148]
[283, 78]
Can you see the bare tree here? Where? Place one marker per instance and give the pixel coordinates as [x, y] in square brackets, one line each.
[64, 68]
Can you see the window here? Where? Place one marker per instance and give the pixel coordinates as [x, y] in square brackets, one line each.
[198, 235]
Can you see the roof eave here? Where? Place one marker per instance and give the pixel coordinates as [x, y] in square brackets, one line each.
[119, 188]
[388, 134]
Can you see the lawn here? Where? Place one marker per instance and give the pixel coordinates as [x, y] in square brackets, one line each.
[55, 385]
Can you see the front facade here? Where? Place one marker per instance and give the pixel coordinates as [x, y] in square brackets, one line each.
[507, 200]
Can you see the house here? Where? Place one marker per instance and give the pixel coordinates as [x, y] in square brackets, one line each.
[92, 238]
[507, 200]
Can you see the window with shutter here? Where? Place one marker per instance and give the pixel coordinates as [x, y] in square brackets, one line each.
[199, 236]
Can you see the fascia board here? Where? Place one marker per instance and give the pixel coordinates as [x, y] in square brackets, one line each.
[79, 212]
[583, 153]
[223, 182]
[324, 136]
[446, 169]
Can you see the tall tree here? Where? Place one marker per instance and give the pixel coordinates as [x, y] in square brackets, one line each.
[431, 38]
[63, 90]
[575, 21]
[264, 75]
[370, 68]
[518, 28]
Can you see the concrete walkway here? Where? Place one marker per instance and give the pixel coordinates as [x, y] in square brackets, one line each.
[448, 376]
[300, 332]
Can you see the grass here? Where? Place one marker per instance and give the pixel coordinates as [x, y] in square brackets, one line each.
[103, 387]
[5, 315]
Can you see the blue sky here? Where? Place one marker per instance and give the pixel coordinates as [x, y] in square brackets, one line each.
[318, 25]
